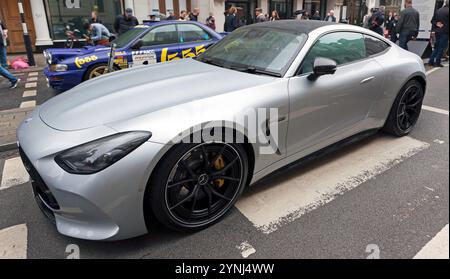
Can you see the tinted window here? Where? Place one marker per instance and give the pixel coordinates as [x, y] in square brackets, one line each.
[374, 45]
[192, 33]
[342, 47]
[254, 47]
[162, 35]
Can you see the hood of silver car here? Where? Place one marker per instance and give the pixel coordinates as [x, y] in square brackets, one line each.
[130, 93]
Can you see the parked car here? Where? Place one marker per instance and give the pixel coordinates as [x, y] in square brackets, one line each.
[146, 44]
[152, 142]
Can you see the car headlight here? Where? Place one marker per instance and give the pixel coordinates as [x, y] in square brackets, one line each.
[97, 155]
[59, 68]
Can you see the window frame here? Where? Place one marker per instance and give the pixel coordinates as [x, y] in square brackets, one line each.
[298, 72]
[379, 53]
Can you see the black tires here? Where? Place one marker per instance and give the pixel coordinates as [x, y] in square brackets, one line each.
[96, 71]
[406, 109]
[195, 185]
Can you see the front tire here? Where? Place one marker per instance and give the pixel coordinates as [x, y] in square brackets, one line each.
[406, 110]
[96, 71]
[195, 185]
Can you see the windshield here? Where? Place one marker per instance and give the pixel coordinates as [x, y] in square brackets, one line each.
[128, 36]
[256, 50]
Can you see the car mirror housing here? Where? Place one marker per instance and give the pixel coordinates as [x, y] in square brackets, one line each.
[322, 66]
[138, 45]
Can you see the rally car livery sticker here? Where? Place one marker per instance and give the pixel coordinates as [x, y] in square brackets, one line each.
[143, 57]
[79, 62]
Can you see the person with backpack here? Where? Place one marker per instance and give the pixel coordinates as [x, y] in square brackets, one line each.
[377, 20]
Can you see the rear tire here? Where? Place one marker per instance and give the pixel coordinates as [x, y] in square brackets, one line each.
[406, 110]
[206, 196]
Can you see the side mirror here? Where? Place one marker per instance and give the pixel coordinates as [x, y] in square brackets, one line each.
[137, 45]
[322, 66]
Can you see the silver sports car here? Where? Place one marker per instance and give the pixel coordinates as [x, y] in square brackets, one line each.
[178, 142]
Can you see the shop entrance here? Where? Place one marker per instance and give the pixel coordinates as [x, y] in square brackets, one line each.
[246, 10]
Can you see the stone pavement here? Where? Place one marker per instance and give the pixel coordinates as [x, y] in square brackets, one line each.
[9, 122]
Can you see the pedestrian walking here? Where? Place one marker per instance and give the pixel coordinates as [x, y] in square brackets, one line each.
[408, 24]
[275, 16]
[330, 17]
[194, 15]
[366, 19]
[12, 79]
[391, 27]
[231, 20]
[211, 21]
[440, 28]
[260, 17]
[376, 21]
[125, 22]
[3, 44]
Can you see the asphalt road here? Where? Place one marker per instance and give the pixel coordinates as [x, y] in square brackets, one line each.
[392, 203]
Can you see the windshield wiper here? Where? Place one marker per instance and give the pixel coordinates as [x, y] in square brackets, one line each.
[254, 70]
[211, 62]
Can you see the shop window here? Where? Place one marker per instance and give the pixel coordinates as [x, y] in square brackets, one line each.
[74, 13]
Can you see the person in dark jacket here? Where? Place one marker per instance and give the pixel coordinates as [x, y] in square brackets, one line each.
[194, 15]
[211, 21]
[330, 17]
[391, 26]
[408, 24]
[231, 20]
[125, 22]
[440, 27]
[316, 16]
[376, 21]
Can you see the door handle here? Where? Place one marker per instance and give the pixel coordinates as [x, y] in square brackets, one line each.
[367, 80]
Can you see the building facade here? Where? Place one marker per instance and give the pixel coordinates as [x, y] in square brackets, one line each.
[47, 19]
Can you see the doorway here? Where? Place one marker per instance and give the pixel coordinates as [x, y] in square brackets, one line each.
[9, 12]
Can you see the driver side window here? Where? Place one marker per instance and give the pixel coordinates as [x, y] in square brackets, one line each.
[342, 47]
[163, 35]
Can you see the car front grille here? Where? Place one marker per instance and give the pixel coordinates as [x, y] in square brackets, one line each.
[44, 197]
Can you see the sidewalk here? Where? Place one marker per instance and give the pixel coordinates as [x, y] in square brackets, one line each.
[38, 58]
[9, 122]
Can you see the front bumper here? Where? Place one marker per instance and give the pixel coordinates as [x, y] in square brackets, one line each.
[104, 206]
[62, 81]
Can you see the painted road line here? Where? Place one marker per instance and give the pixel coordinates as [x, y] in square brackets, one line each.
[31, 79]
[33, 74]
[14, 173]
[437, 247]
[246, 249]
[272, 204]
[28, 104]
[437, 110]
[13, 242]
[31, 85]
[29, 93]
[435, 69]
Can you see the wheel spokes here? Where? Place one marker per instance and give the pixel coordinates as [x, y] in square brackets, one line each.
[225, 177]
[185, 199]
[214, 192]
[227, 167]
[180, 183]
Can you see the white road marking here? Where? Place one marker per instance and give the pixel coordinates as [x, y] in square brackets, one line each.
[437, 247]
[437, 110]
[33, 74]
[246, 249]
[31, 85]
[29, 93]
[270, 206]
[13, 242]
[31, 79]
[14, 173]
[435, 69]
[438, 141]
[28, 104]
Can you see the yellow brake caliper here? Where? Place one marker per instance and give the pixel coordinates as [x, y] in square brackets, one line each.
[219, 164]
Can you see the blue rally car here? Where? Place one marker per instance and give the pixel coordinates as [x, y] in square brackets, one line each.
[144, 45]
